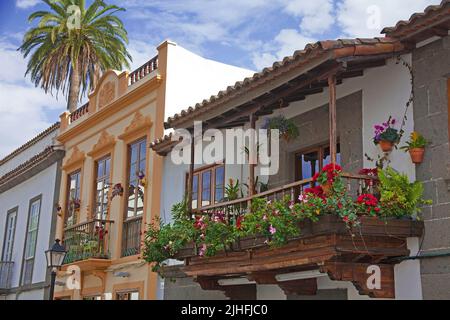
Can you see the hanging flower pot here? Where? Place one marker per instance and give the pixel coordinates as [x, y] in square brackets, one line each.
[386, 146]
[417, 155]
[416, 147]
[386, 136]
[287, 128]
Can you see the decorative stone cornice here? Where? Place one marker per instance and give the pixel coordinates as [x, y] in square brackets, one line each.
[105, 142]
[76, 159]
[138, 124]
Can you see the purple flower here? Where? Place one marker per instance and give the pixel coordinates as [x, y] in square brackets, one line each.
[272, 230]
[141, 175]
[393, 121]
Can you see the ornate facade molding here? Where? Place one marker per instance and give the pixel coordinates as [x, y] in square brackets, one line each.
[105, 142]
[107, 94]
[76, 159]
[138, 124]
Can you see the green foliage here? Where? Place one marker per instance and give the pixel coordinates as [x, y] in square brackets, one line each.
[65, 54]
[288, 129]
[399, 197]
[273, 220]
[416, 140]
[233, 191]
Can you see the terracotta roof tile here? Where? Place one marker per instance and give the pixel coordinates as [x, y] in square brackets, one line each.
[422, 18]
[300, 57]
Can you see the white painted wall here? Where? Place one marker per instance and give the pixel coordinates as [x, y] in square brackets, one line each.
[28, 153]
[42, 183]
[192, 78]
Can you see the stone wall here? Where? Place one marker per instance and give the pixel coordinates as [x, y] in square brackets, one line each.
[314, 131]
[431, 65]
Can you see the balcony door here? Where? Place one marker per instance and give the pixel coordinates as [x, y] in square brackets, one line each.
[311, 161]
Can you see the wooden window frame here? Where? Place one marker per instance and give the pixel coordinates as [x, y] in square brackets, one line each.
[24, 258]
[128, 178]
[320, 149]
[199, 173]
[67, 205]
[8, 213]
[107, 177]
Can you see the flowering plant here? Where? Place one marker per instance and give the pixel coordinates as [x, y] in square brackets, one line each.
[117, 190]
[386, 132]
[416, 141]
[288, 129]
[328, 175]
[75, 204]
[368, 204]
[142, 179]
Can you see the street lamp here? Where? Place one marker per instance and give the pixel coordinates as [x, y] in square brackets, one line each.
[55, 258]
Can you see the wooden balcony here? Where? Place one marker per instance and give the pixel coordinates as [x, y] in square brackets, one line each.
[328, 246]
[87, 245]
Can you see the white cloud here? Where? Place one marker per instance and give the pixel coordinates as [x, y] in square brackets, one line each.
[316, 16]
[23, 107]
[25, 4]
[366, 18]
[285, 43]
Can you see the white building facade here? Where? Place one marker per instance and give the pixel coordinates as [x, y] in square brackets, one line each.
[29, 190]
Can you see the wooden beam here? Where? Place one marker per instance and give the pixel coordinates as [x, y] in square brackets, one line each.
[301, 287]
[333, 118]
[253, 156]
[191, 173]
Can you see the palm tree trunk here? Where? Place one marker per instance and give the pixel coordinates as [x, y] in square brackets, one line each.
[74, 90]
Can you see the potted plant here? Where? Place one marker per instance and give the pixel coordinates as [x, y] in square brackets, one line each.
[288, 129]
[386, 136]
[416, 147]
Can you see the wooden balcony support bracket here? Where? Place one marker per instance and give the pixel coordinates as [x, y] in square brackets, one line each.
[373, 280]
[301, 287]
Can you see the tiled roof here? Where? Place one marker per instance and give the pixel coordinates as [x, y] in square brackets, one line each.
[340, 48]
[30, 143]
[419, 20]
[26, 165]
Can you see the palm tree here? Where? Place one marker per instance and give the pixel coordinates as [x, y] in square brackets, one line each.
[72, 45]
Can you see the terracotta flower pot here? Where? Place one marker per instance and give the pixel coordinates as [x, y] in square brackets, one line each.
[417, 155]
[327, 187]
[386, 146]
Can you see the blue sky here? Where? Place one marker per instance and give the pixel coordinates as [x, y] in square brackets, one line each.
[247, 33]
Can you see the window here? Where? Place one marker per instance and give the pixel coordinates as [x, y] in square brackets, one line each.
[102, 185]
[135, 193]
[92, 298]
[309, 162]
[136, 164]
[31, 240]
[73, 198]
[208, 186]
[128, 295]
[10, 231]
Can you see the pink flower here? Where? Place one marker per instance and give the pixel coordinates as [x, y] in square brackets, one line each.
[272, 230]
[202, 251]
[264, 218]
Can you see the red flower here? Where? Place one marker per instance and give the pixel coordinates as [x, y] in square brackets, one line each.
[316, 176]
[346, 219]
[239, 222]
[368, 200]
[332, 167]
[315, 191]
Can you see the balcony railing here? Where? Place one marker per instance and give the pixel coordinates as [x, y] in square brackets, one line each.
[143, 71]
[6, 269]
[79, 113]
[88, 240]
[131, 237]
[356, 185]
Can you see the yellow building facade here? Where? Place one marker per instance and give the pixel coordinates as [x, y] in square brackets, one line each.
[111, 181]
[105, 199]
